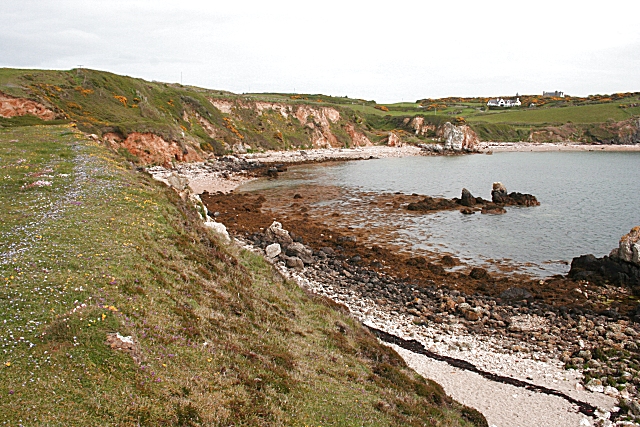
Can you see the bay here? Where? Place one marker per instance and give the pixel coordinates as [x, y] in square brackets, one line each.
[588, 200]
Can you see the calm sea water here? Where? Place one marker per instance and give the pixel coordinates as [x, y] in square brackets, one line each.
[588, 201]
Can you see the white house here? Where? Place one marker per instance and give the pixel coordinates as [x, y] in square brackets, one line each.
[501, 102]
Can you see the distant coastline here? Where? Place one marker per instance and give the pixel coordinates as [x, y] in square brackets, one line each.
[485, 147]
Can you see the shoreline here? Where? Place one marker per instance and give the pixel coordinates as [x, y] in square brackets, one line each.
[529, 338]
[232, 171]
[503, 405]
[485, 147]
[449, 332]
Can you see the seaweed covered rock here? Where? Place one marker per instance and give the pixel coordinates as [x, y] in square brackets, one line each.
[432, 204]
[500, 196]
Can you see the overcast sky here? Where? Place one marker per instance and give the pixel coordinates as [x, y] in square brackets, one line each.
[388, 51]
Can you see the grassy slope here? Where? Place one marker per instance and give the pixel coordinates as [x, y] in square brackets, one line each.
[104, 102]
[222, 340]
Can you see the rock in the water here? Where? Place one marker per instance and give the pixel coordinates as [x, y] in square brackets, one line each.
[431, 204]
[520, 199]
[467, 198]
[516, 294]
[499, 196]
[493, 209]
[498, 193]
[218, 228]
[294, 262]
[300, 251]
[467, 211]
[275, 233]
[273, 250]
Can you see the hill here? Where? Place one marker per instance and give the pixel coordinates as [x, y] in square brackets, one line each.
[160, 123]
[118, 307]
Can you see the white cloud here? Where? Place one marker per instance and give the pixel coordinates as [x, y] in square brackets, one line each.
[387, 51]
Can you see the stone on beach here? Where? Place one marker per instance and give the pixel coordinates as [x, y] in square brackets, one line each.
[273, 250]
[275, 233]
[294, 262]
[300, 251]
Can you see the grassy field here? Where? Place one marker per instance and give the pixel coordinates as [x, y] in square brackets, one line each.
[596, 113]
[90, 246]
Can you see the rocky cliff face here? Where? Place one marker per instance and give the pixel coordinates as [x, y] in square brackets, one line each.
[13, 107]
[457, 138]
[318, 127]
[421, 127]
[151, 149]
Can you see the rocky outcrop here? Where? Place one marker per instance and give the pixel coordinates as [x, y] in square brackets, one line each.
[358, 139]
[393, 140]
[420, 127]
[499, 196]
[621, 267]
[14, 107]
[629, 247]
[276, 234]
[467, 198]
[471, 204]
[626, 132]
[458, 138]
[151, 149]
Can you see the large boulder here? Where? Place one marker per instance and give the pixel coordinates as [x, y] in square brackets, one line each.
[500, 196]
[276, 234]
[498, 193]
[273, 250]
[621, 267]
[294, 263]
[458, 138]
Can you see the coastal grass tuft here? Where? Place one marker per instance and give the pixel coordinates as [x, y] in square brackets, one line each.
[90, 247]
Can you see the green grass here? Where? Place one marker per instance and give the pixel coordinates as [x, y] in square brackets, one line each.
[221, 339]
[595, 113]
[101, 102]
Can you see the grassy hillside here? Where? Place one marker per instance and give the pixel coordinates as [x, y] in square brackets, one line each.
[101, 102]
[89, 246]
[108, 104]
